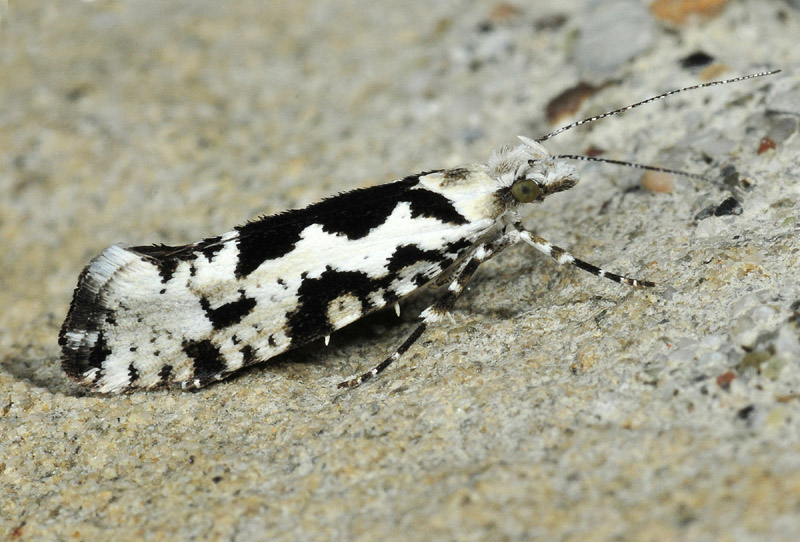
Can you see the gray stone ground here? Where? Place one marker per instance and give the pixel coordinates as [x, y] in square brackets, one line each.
[559, 407]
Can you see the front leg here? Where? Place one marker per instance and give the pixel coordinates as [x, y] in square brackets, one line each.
[565, 258]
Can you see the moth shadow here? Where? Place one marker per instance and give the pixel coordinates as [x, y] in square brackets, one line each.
[42, 372]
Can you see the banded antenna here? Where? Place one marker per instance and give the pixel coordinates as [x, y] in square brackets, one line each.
[637, 104]
[653, 99]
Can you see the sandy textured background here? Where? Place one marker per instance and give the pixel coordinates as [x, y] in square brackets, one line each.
[560, 407]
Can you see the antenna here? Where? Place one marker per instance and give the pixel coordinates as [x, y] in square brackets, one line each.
[647, 101]
[634, 165]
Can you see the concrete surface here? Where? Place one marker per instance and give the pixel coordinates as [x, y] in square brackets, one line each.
[559, 407]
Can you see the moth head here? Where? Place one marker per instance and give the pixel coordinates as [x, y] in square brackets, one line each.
[529, 173]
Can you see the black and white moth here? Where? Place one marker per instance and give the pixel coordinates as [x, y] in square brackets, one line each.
[149, 316]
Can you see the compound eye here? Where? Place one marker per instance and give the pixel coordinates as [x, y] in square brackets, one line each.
[526, 191]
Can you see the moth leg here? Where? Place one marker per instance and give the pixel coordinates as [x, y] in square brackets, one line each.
[563, 257]
[440, 308]
[447, 275]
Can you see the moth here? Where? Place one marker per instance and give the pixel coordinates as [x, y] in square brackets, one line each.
[149, 316]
